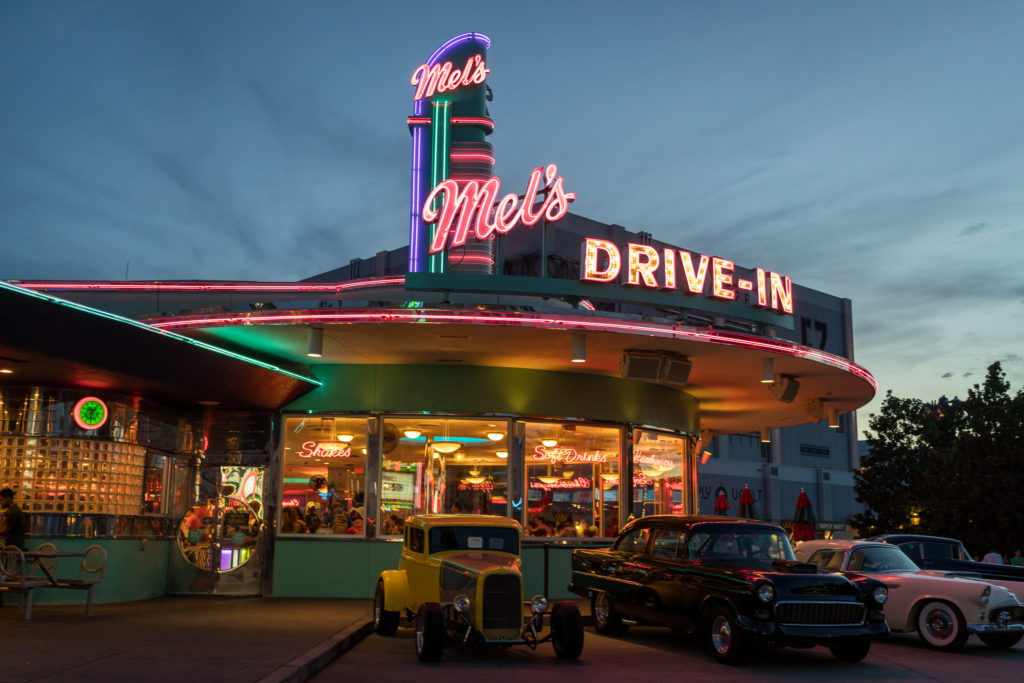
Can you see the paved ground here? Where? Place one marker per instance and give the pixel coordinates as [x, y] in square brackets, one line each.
[272, 640]
[205, 639]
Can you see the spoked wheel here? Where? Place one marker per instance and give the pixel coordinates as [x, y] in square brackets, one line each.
[1000, 641]
[607, 620]
[942, 627]
[385, 623]
[728, 643]
[852, 650]
[566, 630]
[429, 632]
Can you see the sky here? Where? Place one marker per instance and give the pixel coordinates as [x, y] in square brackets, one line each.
[873, 150]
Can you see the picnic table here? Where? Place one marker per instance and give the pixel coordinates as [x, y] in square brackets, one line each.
[23, 571]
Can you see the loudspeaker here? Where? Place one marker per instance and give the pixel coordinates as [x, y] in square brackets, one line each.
[675, 369]
[640, 365]
[785, 388]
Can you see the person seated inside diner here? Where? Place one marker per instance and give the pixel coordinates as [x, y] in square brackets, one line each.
[566, 529]
[357, 522]
[537, 527]
[291, 523]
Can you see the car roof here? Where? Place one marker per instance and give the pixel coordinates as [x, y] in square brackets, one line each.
[687, 521]
[426, 521]
[843, 543]
[912, 538]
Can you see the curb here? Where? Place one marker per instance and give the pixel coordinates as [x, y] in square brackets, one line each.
[308, 664]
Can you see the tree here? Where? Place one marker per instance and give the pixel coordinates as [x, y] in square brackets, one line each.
[956, 466]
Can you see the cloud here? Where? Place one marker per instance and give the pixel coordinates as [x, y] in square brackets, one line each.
[974, 228]
[947, 375]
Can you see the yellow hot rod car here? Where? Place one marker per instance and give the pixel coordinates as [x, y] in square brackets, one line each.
[459, 578]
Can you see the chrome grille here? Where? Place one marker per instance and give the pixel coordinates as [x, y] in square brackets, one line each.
[819, 613]
[502, 598]
[1016, 614]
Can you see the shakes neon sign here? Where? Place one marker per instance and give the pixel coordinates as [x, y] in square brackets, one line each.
[646, 266]
[474, 204]
[325, 449]
[444, 78]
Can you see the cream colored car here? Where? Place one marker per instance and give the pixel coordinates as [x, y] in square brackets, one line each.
[944, 611]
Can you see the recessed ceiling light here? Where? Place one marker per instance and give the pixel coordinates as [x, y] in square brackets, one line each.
[6, 371]
[209, 403]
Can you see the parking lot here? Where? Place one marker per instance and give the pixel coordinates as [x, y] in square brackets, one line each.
[660, 654]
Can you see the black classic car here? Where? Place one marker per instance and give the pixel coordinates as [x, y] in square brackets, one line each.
[731, 582]
[948, 554]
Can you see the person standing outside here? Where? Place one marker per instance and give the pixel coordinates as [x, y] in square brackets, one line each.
[13, 527]
[993, 557]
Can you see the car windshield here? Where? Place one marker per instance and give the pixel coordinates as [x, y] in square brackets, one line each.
[881, 559]
[500, 539]
[738, 543]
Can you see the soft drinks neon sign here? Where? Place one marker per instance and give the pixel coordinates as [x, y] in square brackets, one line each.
[602, 262]
[564, 454]
[474, 204]
[325, 449]
[443, 78]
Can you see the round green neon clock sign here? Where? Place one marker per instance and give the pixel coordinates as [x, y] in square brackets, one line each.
[90, 413]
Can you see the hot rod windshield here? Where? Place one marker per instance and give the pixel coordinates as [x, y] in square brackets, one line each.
[738, 543]
[474, 538]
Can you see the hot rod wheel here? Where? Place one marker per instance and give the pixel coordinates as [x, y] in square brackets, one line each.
[566, 630]
[430, 631]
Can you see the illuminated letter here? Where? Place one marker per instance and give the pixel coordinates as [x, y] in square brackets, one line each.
[591, 256]
[721, 276]
[670, 268]
[694, 281]
[559, 204]
[643, 261]
[782, 291]
[762, 290]
[428, 79]
[527, 216]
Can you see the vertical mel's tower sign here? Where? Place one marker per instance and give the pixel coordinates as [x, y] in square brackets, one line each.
[449, 126]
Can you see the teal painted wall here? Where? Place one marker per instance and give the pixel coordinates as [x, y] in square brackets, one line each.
[411, 388]
[308, 568]
[134, 571]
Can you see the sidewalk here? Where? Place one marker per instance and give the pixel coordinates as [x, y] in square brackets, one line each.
[205, 639]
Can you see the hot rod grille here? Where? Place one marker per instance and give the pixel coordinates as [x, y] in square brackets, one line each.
[502, 606]
[819, 613]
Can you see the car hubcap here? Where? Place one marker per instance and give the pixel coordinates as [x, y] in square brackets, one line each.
[419, 639]
[939, 625]
[721, 635]
[601, 609]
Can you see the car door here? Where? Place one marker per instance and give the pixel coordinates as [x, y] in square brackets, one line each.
[661, 601]
[623, 569]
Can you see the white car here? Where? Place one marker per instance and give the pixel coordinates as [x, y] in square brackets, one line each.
[943, 610]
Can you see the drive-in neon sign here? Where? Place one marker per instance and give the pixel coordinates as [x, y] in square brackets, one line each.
[474, 204]
[646, 266]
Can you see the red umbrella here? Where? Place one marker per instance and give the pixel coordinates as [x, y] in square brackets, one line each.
[803, 520]
[721, 504]
[747, 504]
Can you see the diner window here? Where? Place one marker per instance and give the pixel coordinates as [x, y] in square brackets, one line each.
[572, 479]
[442, 465]
[658, 482]
[324, 475]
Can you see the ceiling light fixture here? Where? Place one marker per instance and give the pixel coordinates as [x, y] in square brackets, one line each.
[549, 480]
[766, 435]
[495, 436]
[446, 447]
[346, 438]
[833, 418]
[501, 454]
[767, 371]
[475, 480]
[549, 443]
[412, 433]
[610, 477]
[579, 348]
[315, 345]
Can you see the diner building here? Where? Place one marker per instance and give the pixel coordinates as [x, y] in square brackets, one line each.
[512, 359]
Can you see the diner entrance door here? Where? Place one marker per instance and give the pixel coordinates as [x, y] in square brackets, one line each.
[221, 536]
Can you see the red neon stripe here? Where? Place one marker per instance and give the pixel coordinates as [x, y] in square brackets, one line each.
[456, 121]
[156, 286]
[515, 319]
[472, 156]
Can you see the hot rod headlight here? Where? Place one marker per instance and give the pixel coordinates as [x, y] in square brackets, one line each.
[461, 604]
[880, 594]
[766, 592]
[539, 603]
